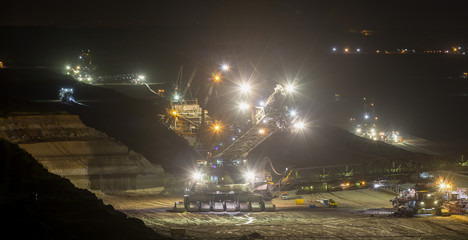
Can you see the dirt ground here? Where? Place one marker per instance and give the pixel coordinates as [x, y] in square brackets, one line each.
[361, 214]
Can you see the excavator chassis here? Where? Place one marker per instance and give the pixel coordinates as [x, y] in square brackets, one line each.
[224, 202]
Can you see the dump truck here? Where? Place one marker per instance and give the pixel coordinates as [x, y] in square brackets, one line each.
[327, 202]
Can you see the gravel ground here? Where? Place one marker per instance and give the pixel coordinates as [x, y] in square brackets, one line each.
[361, 214]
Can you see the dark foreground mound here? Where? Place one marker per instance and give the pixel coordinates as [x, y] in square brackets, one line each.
[36, 204]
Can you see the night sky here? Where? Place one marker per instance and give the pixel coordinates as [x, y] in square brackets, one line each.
[267, 41]
[409, 15]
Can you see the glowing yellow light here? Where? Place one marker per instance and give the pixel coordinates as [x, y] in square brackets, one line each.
[346, 50]
[261, 131]
[363, 183]
[347, 184]
[174, 113]
[217, 127]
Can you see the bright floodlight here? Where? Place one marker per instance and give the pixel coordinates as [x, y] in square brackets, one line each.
[141, 77]
[243, 106]
[67, 67]
[245, 88]
[217, 127]
[249, 176]
[366, 116]
[176, 97]
[197, 176]
[293, 113]
[225, 67]
[299, 125]
[261, 131]
[358, 49]
[289, 87]
[261, 103]
[334, 49]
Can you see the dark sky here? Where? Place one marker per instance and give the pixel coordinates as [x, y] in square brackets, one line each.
[416, 15]
[265, 41]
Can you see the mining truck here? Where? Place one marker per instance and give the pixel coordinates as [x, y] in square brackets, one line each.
[420, 199]
[226, 182]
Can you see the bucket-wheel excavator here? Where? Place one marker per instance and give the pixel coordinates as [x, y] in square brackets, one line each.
[226, 183]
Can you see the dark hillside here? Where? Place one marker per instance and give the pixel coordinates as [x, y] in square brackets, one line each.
[36, 204]
[323, 146]
[132, 121]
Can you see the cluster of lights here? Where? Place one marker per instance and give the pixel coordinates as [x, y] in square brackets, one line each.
[346, 50]
[76, 73]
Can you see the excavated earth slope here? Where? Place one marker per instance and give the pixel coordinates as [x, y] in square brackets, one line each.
[36, 204]
[85, 156]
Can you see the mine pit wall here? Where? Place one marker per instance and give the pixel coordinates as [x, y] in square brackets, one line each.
[85, 156]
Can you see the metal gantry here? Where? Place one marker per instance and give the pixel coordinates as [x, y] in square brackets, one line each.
[402, 168]
[268, 120]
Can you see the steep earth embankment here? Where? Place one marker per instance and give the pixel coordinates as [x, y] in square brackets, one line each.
[85, 156]
[36, 204]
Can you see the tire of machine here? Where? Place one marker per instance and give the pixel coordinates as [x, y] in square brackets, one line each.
[194, 207]
[244, 207]
[231, 206]
[218, 206]
[205, 206]
[270, 207]
[256, 206]
[179, 207]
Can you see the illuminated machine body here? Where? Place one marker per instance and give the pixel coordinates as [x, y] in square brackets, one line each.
[424, 198]
[66, 94]
[226, 182]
